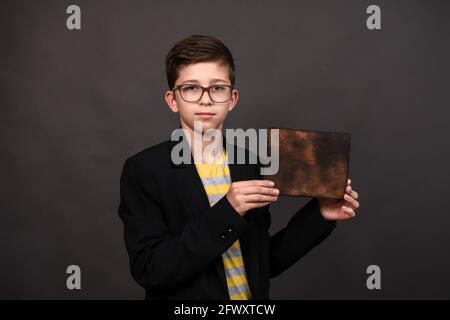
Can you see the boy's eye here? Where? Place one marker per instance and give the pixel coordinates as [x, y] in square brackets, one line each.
[218, 88]
[190, 88]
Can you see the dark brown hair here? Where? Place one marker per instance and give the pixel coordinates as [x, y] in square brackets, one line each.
[193, 49]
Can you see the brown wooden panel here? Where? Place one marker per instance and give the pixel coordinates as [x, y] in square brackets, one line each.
[312, 163]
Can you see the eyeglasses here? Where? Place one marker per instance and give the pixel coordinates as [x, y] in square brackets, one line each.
[218, 93]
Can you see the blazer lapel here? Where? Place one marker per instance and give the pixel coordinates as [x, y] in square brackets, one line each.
[189, 186]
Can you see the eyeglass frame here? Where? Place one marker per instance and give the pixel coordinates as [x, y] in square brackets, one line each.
[203, 91]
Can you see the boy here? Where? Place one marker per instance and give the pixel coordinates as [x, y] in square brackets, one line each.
[200, 230]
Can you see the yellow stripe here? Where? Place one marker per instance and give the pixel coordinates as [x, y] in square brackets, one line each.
[210, 165]
[236, 280]
[241, 296]
[236, 244]
[233, 262]
[208, 171]
[217, 189]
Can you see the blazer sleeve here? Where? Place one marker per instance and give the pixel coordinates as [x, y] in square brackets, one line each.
[159, 260]
[305, 230]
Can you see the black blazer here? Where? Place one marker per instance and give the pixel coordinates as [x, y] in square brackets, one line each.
[175, 239]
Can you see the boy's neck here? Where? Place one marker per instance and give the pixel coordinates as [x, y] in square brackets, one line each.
[197, 137]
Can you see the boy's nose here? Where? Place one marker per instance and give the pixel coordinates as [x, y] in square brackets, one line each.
[205, 99]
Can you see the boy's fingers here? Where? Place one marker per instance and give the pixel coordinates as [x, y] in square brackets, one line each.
[349, 211]
[353, 202]
[351, 192]
[259, 190]
[262, 183]
[251, 198]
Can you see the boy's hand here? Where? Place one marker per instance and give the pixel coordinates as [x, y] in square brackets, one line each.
[337, 209]
[250, 194]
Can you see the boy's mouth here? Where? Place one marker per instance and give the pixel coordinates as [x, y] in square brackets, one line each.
[204, 115]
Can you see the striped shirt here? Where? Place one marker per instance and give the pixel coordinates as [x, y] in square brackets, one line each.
[216, 181]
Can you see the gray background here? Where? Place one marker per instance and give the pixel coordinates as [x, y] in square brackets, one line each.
[75, 104]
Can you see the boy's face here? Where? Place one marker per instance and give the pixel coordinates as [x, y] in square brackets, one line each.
[211, 114]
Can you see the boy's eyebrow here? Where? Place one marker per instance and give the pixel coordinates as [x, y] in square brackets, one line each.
[218, 80]
[189, 81]
[196, 81]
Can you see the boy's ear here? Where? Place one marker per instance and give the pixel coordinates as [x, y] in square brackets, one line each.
[234, 99]
[171, 101]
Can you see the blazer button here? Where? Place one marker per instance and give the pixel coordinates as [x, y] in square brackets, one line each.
[223, 235]
[230, 228]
